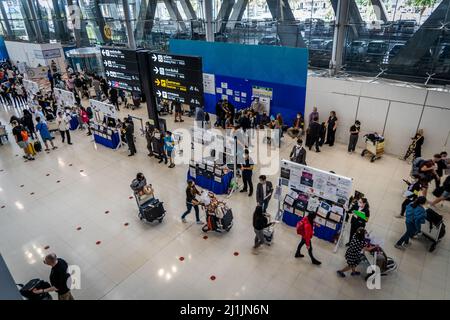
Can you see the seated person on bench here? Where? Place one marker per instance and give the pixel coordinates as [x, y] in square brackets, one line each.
[141, 188]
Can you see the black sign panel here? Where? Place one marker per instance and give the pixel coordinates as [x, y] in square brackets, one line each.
[121, 68]
[177, 77]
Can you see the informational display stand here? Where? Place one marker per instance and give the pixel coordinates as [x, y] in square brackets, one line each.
[212, 172]
[314, 190]
[31, 87]
[64, 99]
[103, 134]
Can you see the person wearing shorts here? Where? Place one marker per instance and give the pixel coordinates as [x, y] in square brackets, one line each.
[45, 134]
[22, 142]
[169, 146]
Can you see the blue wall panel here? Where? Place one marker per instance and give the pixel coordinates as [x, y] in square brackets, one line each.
[242, 66]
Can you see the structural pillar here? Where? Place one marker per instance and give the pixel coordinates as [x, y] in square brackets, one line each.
[339, 35]
[130, 32]
[238, 12]
[5, 19]
[224, 15]
[208, 10]
[188, 9]
[37, 28]
[174, 13]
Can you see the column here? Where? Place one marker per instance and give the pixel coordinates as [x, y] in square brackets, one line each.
[130, 32]
[339, 35]
[208, 9]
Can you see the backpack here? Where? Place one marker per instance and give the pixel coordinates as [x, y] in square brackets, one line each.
[135, 185]
[207, 117]
[24, 134]
[301, 228]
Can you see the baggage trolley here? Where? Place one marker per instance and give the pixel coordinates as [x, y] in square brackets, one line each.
[375, 148]
[377, 257]
[434, 228]
[150, 208]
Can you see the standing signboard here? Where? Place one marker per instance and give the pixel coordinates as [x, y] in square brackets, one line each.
[177, 77]
[121, 68]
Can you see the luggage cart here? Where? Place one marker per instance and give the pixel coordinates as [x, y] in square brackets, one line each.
[374, 147]
[150, 208]
[378, 257]
[434, 228]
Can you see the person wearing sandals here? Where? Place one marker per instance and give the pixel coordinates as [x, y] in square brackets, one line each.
[45, 133]
[353, 254]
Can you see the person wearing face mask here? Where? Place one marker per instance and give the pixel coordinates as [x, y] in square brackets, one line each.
[354, 135]
[298, 153]
[297, 128]
[358, 222]
[63, 121]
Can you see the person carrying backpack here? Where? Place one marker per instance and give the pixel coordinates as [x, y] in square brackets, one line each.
[21, 136]
[306, 230]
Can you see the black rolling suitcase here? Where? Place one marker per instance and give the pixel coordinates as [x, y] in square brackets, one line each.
[227, 220]
[37, 146]
[27, 290]
[153, 211]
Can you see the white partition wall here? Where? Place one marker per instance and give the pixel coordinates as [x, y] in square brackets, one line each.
[395, 111]
[400, 132]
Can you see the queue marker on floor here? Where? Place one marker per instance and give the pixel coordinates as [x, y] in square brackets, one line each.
[126, 224]
[236, 254]
[205, 237]
[2, 207]
[212, 278]
[46, 247]
[107, 211]
[79, 228]
[98, 242]
[181, 259]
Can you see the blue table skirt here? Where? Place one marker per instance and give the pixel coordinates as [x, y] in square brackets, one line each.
[211, 185]
[74, 123]
[106, 142]
[321, 232]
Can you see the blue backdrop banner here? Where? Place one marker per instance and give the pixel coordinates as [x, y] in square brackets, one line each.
[239, 69]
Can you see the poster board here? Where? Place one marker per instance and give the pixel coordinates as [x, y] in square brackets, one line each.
[31, 87]
[101, 107]
[316, 182]
[64, 98]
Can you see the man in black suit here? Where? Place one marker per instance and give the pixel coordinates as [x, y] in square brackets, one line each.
[264, 192]
[314, 132]
[298, 153]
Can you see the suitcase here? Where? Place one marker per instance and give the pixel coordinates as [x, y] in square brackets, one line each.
[152, 211]
[37, 146]
[227, 220]
[27, 290]
[52, 125]
[31, 149]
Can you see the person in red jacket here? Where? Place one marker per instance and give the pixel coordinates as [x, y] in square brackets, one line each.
[306, 230]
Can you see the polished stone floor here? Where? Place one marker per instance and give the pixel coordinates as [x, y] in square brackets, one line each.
[75, 202]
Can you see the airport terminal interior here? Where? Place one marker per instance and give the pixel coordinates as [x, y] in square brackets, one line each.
[320, 125]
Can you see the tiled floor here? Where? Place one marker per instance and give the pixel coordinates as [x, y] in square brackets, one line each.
[141, 261]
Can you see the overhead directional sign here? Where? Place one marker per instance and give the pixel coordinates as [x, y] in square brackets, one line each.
[177, 77]
[121, 68]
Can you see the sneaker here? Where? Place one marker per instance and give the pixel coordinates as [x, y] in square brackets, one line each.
[199, 222]
[172, 166]
[70, 143]
[243, 190]
[407, 245]
[316, 262]
[399, 247]
[181, 120]
[340, 274]
[183, 220]
[54, 148]
[299, 255]
[177, 121]
[160, 161]
[399, 216]
[356, 273]
[32, 158]
[250, 194]
[46, 150]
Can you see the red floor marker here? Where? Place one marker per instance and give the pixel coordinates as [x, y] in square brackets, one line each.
[130, 197]
[47, 174]
[107, 211]
[236, 254]
[79, 228]
[126, 224]
[205, 237]
[212, 278]
[181, 258]
[46, 247]
[98, 242]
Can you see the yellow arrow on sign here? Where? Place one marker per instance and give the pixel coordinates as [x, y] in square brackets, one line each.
[157, 82]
